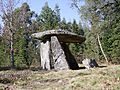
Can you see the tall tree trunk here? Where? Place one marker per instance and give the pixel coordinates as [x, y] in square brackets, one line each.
[102, 48]
[12, 52]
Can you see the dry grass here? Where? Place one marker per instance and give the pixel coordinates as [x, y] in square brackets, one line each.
[106, 78]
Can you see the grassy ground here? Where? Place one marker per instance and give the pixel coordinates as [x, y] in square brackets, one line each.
[103, 78]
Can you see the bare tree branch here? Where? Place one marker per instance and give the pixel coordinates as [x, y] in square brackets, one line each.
[75, 3]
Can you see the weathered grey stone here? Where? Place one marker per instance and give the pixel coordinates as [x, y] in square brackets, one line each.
[62, 57]
[45, 55]
[89, 63]
[58, 54]
[62, 35]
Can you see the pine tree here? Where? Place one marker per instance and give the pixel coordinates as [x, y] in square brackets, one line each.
[48, 18]
[58, 19]
[23, 44]
[63, 24]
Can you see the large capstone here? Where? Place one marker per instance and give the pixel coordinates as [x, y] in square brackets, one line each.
[62, 35]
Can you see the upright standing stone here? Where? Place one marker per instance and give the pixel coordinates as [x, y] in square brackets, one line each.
[59, 57]
[45, 55]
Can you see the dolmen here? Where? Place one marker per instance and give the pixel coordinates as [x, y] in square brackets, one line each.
[54, 50]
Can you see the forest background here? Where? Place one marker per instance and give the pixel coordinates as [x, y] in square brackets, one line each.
[99, 23]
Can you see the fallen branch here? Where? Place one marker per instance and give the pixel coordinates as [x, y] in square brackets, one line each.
[102, 48]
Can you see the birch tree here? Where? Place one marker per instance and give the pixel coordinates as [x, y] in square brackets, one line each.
[7, 7]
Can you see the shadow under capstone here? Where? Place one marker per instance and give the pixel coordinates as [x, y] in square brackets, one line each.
[70, 58]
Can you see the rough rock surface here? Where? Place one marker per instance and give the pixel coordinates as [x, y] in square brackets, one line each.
[58, 54]
[89, 63]
[45, 55]
[62, 35]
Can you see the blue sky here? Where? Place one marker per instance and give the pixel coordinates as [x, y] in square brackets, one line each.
[65, 8]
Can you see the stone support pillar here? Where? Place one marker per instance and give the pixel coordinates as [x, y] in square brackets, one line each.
[58, 55]
[45, 55]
